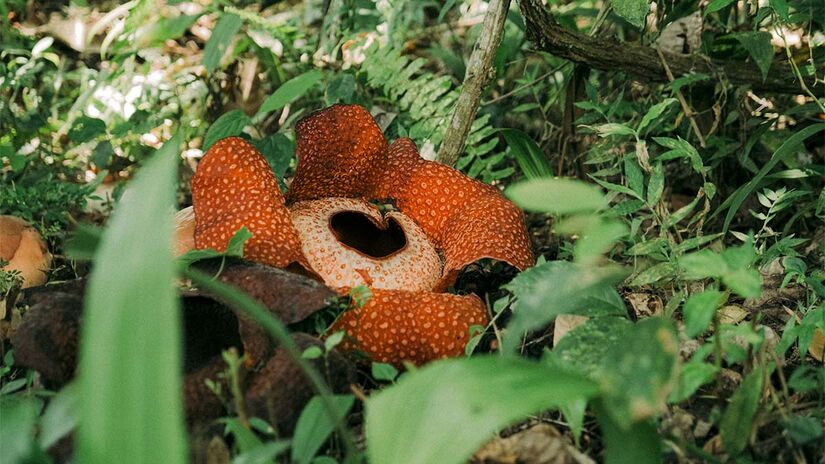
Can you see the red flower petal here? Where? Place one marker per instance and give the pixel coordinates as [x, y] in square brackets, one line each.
[396, 326]
[466, 219]
[340, 150]
[234, 187]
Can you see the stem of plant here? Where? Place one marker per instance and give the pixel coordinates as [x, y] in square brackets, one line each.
[278, 331]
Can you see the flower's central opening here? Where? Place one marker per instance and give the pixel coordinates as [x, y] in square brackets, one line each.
[357, 231]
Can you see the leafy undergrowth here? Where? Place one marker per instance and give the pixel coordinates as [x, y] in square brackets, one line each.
[677, 310]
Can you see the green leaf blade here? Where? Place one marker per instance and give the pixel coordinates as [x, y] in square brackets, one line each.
[556, 196]
[218, 43]
[227, 125]
[446, 410]
[130, 355]
[290, 91]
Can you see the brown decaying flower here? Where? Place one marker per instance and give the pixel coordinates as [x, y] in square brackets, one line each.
[24, 249]
[442, 221]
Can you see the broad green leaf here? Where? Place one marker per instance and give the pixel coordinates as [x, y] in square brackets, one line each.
[102, 154]
[245, 438]
[290, 90]
[222, 36]
[262, 454]
[553, 288]
[781, 8]
[699, 310]
[340, 89]
[584, 349]
[758, 45]
[656, 184]
[130, 351]
[384, 372]
[597, 240]
[788, 148]
[638, 443]
[804, 429]
[734, 267]
[680, 148]
[657, 245]
[681, 213]
[632, 11]
[695, 373]
[654, 274]
[687, 80]
[646, 357]
[702, 264]
[635, 177]
[279, 151]
[19, 417]
[618, 188]
[443, 412]
[85, 129]
[695, 242]
[716, 5]
[528, 155]
[556, 196]
[227, 125]
[314, 426]
[167, 29]
[654, 113]
[233, 249]
[737, 420]
[60, 417]
[606, 130]
[744, 282]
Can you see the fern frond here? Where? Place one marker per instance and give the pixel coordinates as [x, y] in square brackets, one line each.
[428, 101]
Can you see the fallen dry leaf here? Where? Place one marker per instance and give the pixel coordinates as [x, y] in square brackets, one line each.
[732, 314]
[539, 444]
[644, 304]
[565, 323]
[817, 346]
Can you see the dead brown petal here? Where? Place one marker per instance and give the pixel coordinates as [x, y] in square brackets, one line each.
[280, 391]
[23, 247]
[184, 230]
[47, 341]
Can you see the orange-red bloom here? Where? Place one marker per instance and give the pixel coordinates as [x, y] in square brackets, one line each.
[444, 221]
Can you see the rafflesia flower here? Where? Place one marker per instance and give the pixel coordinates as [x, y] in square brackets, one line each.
[408, 255]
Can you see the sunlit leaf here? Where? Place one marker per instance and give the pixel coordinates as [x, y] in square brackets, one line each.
[633, 11]
[227, 125]
[446, 410]
[130, 353]
[699, 311]
[290, 91]
[557, 196]
[737, 421]
[314, 426]
[222, 36]
[758, 45]
[559, 287]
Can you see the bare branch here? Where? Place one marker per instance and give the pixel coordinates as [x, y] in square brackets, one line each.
[642, 62]
[476, 77]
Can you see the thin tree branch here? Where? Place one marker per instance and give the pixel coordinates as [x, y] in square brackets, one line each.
[476, 77]
[685, 107]
[643, 62]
